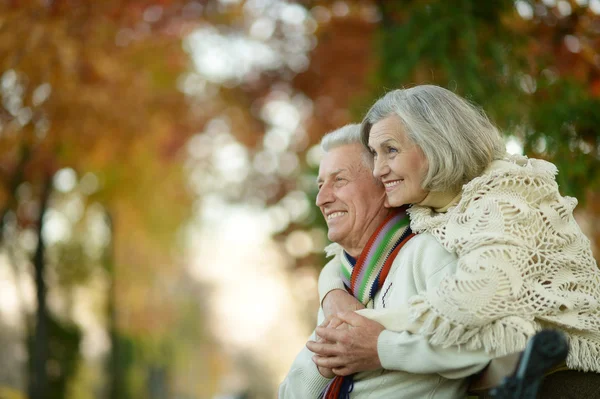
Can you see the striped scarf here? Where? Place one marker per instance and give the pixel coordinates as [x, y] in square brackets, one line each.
[365, 276]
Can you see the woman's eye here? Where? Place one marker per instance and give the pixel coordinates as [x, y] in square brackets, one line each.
[392, 150]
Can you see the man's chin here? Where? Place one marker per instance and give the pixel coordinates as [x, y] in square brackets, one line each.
[334, 237]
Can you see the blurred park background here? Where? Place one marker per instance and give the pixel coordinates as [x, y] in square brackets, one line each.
[158, 237]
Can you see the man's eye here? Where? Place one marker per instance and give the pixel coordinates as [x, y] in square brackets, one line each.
[392, 150]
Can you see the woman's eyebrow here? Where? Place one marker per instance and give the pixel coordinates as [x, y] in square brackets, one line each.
[384, 142]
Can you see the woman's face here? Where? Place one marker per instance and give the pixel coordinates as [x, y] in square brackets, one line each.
[398, 162]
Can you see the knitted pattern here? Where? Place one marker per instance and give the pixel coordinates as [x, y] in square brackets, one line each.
[524, 264]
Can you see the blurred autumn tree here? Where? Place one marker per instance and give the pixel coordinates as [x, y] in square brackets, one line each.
[91, 127]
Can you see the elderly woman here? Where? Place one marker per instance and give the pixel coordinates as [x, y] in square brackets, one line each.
[524, 263]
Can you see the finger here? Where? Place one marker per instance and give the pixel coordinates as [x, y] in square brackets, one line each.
[320, 338]
[335, 323]
[322, 348]
[327, 373]
[352, 318]
[342, 371]
[327, 321]
[328, 362]
[323, 341]
[330, 334]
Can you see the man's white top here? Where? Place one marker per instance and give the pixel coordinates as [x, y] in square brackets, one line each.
[412, 368]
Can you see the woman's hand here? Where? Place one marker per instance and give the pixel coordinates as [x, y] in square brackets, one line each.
[335, 302]
[347, 345]
[333, 323]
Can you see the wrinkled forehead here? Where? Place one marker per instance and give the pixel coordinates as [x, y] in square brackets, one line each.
[388, 129]
[343, 159]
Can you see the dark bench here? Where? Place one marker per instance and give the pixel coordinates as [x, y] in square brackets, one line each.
[537, 372]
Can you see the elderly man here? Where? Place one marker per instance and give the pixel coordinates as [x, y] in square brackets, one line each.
[384, 264]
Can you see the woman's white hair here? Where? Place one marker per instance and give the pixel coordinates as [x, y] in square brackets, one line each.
[457, 138]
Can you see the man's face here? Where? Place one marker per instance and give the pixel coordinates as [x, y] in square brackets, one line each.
[350, 199]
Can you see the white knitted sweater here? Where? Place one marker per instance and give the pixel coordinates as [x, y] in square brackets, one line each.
[523, 264]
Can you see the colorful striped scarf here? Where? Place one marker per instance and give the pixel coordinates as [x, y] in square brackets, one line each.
[364, 277]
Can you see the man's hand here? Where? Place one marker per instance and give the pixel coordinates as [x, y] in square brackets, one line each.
[349, 348]
[339, 301]
[325, 372]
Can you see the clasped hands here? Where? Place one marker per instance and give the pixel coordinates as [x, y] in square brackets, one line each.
[346, 341]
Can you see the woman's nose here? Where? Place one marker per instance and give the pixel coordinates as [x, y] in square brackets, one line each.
[380, 168]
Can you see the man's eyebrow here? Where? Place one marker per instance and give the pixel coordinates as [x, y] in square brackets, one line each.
[332, 174]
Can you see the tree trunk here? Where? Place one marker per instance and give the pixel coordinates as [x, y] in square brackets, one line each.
[115, 388]
[38, 382]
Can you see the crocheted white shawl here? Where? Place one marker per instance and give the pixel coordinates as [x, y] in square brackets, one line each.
[523, 265]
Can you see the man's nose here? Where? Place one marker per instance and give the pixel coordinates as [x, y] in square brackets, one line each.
[324, 196]
[380, 168]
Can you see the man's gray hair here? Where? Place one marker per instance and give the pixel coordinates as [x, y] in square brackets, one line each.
[457, 138]
[349, 134]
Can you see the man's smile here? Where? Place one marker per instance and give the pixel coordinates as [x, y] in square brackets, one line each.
[336, 214]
